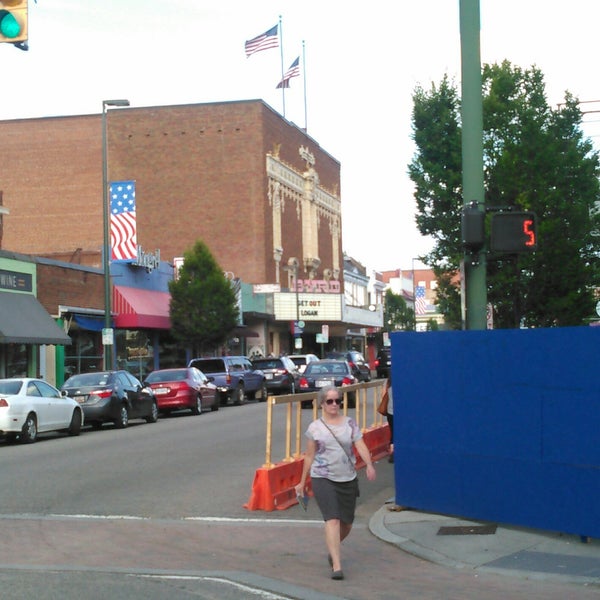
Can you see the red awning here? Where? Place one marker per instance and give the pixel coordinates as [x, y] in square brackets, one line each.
[134, 308]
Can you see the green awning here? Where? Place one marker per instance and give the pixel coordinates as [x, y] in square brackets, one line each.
[23, 320]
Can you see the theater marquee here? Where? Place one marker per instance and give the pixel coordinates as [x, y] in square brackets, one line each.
[308, 307]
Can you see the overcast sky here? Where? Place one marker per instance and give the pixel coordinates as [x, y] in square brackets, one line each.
[363, 61]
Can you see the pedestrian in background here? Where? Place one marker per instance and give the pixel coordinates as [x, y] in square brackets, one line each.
[330, 461]
[386, 408]
[390, 416]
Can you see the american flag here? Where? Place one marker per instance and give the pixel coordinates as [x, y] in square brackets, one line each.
[420, 303]
[123, 234]
[264, 41]
[293, 71]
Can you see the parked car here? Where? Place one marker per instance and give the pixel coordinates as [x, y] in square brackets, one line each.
[360, 367]
[281, 374]
[322, 373]
[301, 360]
[31, 406]
[235, 377]
[112, 396]
[383, 363]
[183, 388]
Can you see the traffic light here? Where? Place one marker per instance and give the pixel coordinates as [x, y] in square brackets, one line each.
[513, 232]
[13, 21]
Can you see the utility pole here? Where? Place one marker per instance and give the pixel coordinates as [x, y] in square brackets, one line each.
[474, 291]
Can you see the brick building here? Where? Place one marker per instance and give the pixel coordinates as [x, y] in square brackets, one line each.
[261, 193]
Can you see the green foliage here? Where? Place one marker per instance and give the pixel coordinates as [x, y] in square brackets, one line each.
[397, 315]
[204, 310]
[535, 158]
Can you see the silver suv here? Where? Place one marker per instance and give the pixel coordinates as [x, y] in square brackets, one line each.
[235, 377]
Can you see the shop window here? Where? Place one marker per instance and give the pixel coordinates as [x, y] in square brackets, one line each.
[16, 360]
[85, 354]
[134, 352]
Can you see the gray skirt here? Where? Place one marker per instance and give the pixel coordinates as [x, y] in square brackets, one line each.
[336, 499]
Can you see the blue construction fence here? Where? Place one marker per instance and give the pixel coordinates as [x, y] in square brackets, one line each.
[500, 426]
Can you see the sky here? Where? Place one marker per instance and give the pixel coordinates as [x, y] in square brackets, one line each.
[362, 64]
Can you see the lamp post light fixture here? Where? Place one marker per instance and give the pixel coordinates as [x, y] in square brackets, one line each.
[107, 332]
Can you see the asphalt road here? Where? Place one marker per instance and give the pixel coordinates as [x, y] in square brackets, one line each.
[156, 511]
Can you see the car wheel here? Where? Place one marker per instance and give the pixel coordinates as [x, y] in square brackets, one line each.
[153, 416]
[264, 392]
[75, 426]
[239, 395]
[197, 408]
[123, 419]
[217, 402]
[29, 431]
[351, 400]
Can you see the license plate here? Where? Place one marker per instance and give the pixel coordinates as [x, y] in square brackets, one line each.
[268, 375]
[322, 383]
[80, 399]
[161, 391]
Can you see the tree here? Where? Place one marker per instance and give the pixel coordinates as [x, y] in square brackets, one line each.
[203, 308]
[396, 314]
[535, 158]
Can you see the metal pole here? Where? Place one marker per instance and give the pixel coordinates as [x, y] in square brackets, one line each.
[108, 353]
[106, 243]
[475, 299]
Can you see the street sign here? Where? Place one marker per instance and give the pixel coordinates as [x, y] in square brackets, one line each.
[324, 334]
[107, 336]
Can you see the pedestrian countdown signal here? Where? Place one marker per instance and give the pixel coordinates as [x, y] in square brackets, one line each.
[513, 232]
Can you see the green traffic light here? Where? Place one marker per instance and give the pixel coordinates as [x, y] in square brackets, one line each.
[9, 26]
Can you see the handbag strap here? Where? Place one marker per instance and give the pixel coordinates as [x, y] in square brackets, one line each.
[336, 438]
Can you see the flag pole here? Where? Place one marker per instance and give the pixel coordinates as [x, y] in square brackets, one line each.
[281, 52]
[304, 73]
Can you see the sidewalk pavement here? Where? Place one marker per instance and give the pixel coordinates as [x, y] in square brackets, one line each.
[489, 547]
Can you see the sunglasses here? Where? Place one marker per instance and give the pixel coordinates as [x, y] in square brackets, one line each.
[332, 400]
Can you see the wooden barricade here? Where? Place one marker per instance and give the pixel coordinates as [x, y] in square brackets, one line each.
[273, 486]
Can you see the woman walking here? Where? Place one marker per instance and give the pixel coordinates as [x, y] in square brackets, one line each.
[330, 461]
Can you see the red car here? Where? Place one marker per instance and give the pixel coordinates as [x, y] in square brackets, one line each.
[183, 388]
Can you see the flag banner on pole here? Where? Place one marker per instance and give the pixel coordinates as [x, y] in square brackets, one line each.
[264, 41]
[420, 303]
[293, 71]
[123, 228]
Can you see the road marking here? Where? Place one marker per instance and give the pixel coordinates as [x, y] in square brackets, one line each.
[239, 520]
[239, 586]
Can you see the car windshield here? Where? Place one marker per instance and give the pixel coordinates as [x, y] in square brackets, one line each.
[87, 379]
[167, 375]
[267, 363]
[298, 360]
[206, 365]
[326, 368]
[10, 387]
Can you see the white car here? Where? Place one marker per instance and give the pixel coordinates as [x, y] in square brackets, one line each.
[301, 360]
[31, 406]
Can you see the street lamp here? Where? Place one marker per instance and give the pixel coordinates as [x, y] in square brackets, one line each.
[106, 245]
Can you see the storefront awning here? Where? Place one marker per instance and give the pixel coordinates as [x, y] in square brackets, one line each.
[89, 322]
[135, 308]
[23, 320]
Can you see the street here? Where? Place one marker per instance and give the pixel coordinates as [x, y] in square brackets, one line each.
[156, 511]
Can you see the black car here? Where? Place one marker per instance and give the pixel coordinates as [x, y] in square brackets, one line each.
[321, 373]
[112, 396]
[383, 363]
[281, 374]
[360, 367]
